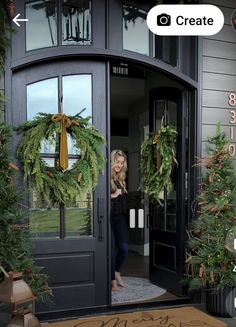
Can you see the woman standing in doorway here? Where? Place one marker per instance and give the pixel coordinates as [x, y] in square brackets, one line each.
[119, 230]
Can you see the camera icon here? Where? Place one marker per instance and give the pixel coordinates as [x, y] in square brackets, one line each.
[163, 20]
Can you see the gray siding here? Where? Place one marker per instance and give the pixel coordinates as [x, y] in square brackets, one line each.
[219, 74]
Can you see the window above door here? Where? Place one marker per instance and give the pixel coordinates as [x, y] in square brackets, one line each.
[64, 22]
[58, 29]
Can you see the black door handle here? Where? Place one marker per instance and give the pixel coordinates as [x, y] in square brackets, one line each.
[100, 218]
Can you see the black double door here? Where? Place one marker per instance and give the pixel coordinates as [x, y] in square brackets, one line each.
[77, 258]
[167, 222]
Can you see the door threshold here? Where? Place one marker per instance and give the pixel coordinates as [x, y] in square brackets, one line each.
[104, 310]
[150, 304]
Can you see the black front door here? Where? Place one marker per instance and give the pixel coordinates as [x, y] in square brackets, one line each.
[167, 222]
[70, 243]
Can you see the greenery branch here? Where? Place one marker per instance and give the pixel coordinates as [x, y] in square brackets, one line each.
[15, 244]
[157, 161]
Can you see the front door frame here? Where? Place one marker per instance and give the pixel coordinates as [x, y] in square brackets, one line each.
[19, 103]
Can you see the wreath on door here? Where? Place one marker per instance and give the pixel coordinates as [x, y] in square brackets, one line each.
[58, 183]
[158, 158]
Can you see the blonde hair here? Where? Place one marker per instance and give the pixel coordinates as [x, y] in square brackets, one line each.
[119, 177]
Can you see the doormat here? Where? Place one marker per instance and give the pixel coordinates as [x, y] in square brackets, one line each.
[136, 289]
[177, 317]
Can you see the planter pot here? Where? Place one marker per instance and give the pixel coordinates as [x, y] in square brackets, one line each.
[5, 314]
[221, 302]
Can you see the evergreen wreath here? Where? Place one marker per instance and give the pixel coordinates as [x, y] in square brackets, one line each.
[59, 184]
[157, 162]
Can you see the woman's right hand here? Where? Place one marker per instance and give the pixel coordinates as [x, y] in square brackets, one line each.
[116, 193]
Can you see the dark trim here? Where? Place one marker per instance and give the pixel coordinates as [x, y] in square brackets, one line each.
[58, 315]
[55, 54]
[98, 24]
[181, 205]
[107, 24]
[115, 25]
[193, 153]
[198, 120]
[108, 89]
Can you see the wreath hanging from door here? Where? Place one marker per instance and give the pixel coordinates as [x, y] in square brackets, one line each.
[58, 184]
[157, 161]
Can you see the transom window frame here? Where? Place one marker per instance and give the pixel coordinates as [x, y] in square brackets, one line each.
[107, 26]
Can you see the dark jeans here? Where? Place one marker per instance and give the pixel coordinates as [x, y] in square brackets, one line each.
[119, 243]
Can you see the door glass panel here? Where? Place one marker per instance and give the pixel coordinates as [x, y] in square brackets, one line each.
[135, 30]
[42, 97]
[41, 28]
[166, 113]
[44, 219]
[77, 95]
[79, 220]
[76, 22]
[48, 220]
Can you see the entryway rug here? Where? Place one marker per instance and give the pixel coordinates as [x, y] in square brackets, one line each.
[177, 317]
[136, 289]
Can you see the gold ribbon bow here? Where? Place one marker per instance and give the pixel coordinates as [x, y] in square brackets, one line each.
[65, 123]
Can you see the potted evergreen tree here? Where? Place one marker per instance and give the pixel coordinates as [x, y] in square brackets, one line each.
[15, 245]
[212, 260]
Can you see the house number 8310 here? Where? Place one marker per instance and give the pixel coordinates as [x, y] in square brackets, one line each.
[232, 99]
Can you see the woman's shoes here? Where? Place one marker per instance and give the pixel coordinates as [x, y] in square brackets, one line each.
[119, 280]
[114, 286]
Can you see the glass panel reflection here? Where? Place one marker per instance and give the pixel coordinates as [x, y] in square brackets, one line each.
[166, 49]
[43, 97]
[44, 219]
[50, 145]
[171, 212]
[76, 22]
[41, 28]
[135, 30]
[77, 94]
[79, 217]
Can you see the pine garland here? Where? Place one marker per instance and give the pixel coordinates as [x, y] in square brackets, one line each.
[157, 162]
[54, 184]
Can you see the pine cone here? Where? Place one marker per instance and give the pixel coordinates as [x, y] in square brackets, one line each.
[12, 166]
[79, 178]
[49, 173]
